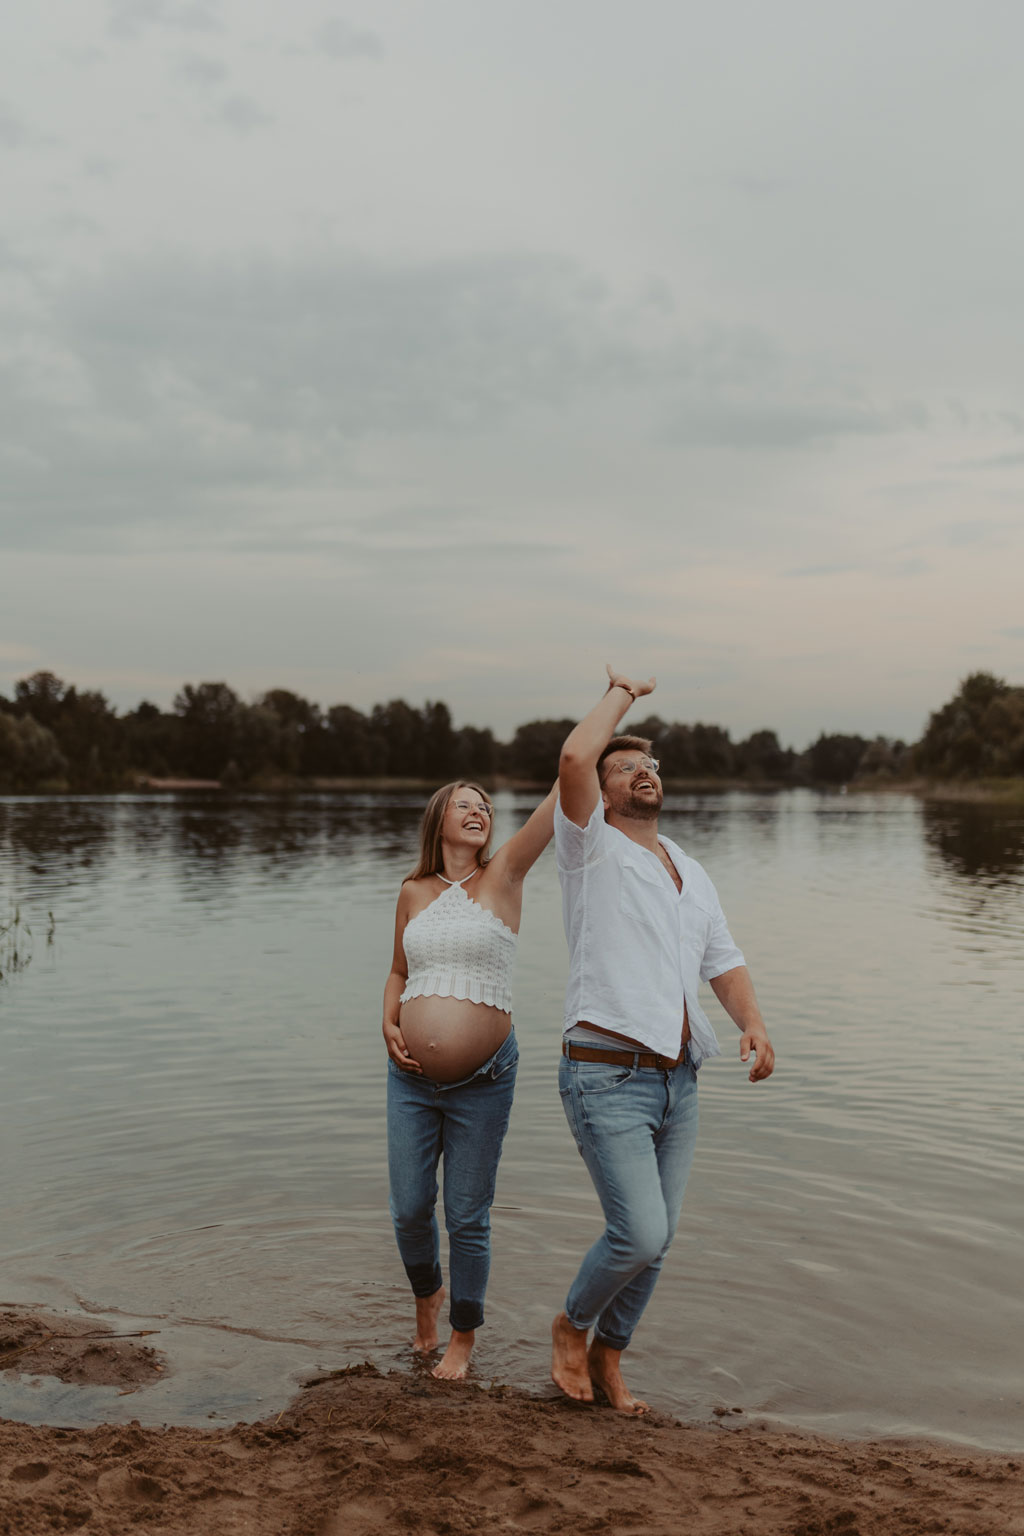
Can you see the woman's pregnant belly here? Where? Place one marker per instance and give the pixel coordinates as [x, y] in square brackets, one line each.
[449, 1036]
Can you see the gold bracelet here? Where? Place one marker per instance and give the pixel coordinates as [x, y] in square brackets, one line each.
[624, 689]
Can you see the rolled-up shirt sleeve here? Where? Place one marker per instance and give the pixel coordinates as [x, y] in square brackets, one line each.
[721, 952]
[576, 846]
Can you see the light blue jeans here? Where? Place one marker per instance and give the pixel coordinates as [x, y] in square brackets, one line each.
[636, 1128]
[466, 1123]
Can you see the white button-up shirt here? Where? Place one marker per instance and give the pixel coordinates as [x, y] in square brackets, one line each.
[638, 947]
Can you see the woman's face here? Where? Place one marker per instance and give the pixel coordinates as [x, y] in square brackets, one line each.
[467, 819]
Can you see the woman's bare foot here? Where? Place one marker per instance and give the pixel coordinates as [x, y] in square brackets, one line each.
[603, 1365]
[455, 1361]
[569, 1369]
[427, 1309]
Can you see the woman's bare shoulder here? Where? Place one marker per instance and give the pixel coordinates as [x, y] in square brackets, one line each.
[414, 895]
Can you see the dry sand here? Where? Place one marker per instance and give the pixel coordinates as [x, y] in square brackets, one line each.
[359, 1453]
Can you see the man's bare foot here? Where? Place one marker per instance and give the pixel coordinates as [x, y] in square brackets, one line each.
[427, 1309]
[569, 1360]
[603, 1364]
[455, 1361]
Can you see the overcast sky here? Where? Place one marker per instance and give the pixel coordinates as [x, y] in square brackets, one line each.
[449, 348]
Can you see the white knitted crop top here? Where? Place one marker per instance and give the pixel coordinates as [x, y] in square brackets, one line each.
[457, 948]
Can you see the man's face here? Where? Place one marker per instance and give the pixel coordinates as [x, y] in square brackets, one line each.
[630, 786]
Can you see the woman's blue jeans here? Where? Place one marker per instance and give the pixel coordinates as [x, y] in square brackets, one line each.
[636, 1128]
[466, 1123]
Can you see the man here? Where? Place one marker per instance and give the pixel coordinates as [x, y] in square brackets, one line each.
[645, 927]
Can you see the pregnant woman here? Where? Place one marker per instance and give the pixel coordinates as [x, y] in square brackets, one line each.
[452, 1051]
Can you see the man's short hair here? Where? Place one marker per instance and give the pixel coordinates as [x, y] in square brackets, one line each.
[625, 744]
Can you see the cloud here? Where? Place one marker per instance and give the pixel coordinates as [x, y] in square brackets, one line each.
[152, 390]
[341, 40]
[839, 568]
[13, 132]
[243, 114]
[733, 418]
[995, 534]
[994, 461]
[131, 18]
[885, 567]
[201, 70]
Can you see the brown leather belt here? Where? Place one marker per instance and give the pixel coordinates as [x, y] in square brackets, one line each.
[620, 1058]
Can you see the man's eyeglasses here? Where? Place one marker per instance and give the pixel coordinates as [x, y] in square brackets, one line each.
[467, 805]
[651, 764]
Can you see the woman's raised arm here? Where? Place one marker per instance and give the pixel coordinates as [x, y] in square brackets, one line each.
[518, 856]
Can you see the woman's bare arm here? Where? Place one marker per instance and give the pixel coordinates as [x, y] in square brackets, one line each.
[517, 857]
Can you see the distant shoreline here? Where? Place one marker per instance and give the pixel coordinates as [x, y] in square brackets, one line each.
[972, 791]
[963, 791]
[989, 791]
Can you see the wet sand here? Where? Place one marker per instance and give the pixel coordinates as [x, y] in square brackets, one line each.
[357, 1453]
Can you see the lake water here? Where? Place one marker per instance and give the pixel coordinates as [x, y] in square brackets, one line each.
[192, 1136]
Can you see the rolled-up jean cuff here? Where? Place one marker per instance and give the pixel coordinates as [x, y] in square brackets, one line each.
[603, 1338]
[425, 1279]
[465, 1316]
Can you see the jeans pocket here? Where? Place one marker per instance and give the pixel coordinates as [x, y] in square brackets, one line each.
[601, 1077]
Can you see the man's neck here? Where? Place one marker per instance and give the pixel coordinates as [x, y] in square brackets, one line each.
[643, 832]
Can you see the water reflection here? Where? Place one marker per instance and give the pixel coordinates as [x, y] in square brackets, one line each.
[208, 840]
[977, 841]
[46, 836]
[191, 1114]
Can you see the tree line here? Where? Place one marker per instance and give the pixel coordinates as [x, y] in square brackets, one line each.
[54, 736]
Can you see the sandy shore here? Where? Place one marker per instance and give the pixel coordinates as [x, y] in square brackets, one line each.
[358, 1453]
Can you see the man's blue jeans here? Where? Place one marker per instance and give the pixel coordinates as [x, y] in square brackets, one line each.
[466, 1122]
[636, 1128]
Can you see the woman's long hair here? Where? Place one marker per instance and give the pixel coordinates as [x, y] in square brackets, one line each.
[431, 861]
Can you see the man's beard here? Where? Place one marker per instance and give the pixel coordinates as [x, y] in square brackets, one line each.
[643, 808]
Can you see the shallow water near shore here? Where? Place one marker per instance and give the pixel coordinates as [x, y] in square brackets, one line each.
[191, 1110]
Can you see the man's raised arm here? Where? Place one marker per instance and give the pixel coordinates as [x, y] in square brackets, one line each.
[578, 786]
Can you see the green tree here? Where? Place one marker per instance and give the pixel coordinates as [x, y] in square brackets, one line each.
[86, 729]
[153, 740]
[209, 714]
[833, 759]
[439, 743]
[675, 749]
[40, 696]
[713, 752]
[301, 747]
[535, 748]
[980, 731]
[883, 758]
[29, 753]
[476, 754]
[761, 757]
[348, 745]
[399, 739]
